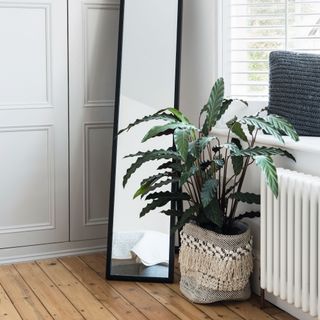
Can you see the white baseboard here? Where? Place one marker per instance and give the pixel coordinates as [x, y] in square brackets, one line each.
[53, 250]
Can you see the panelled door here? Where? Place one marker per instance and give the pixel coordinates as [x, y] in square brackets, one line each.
[93, 33]
[33, 122]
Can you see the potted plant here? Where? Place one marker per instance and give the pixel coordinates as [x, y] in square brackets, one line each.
[216, 248]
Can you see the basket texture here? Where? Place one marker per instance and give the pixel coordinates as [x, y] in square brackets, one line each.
[295, 90]
[215, 267]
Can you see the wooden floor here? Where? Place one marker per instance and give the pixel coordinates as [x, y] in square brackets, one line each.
[75, 288]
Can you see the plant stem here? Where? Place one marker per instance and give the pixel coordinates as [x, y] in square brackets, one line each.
[225, 172]
[241, 181]
[194, 186]
[190, 192]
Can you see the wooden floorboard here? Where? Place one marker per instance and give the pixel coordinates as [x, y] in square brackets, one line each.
[74, 288]
[23, 298]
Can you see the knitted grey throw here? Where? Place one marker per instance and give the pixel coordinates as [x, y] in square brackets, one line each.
[295, 90]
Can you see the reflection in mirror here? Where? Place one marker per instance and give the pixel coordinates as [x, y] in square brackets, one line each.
[147, 81]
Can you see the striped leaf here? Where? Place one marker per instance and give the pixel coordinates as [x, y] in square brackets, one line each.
[213, 107]
[163, 116]
[238, 131]
[250, 215]
[157, 203]
[208, 192]
[260, 123]
[149, 156]
[265, 163]
[283, 125]
[179, 115]
[181, 141]
[198, 146]
[185, 217]
[166, 129]
[247, 197]
[263, 151]
[213, 213]
[168, 195]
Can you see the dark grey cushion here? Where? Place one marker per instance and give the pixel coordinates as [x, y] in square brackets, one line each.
[295, 90]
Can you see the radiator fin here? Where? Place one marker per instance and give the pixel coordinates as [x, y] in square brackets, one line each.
[290, 241]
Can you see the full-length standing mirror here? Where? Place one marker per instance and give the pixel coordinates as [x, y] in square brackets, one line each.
[147, 81]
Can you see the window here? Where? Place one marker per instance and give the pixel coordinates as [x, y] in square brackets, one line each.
[254, 28]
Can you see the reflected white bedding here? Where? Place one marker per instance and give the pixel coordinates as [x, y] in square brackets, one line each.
[146, 247]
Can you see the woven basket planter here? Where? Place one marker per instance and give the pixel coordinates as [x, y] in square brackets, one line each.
[215, 267]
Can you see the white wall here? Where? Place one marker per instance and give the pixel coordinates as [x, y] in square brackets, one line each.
[199, 55]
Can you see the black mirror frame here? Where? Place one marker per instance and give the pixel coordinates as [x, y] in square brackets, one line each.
[109, 276]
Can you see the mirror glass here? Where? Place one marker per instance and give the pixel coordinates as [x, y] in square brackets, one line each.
[147, 81]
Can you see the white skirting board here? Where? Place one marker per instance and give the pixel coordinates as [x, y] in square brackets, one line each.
[53, 250]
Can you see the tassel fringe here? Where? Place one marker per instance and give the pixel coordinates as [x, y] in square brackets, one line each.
[227, 273]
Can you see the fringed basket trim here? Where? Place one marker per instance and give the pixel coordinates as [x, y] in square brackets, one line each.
[212, 266]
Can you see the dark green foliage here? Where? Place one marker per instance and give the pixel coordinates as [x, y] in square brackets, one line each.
[201, 164]
[247, 197]
[208, 192]
[270, 172]
[250, 215]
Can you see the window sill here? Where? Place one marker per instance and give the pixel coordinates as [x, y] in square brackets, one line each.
[305, 144]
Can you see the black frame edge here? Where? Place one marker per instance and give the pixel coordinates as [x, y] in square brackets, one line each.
[109, 276]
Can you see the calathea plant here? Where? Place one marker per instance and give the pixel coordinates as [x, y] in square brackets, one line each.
[210, 173]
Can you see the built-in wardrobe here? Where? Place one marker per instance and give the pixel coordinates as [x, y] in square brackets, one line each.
[57, 85]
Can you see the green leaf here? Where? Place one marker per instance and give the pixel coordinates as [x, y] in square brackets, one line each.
[247, 197]
[186, 216]
[144, 188]
[208, 192]
[168, 195]
[179, 115]
[234, 149]
[215, 164]
[149, 156]
[187, 174]
[148, 182]
[162, 183]
[150, 186]
[156, 177]
[156, 116]
[166, 129]
[237, 164]
[283, 125]
[171, 212]
[198, 146]
[238, 131]
[190, 162]
[181, 140]
[250, 215]
[175, 166]
[231, 122]
[251, 129]
[265, 163]
[213, 107]
[262, 124]
[264, 151]
[237, 161]
[224, 107]
[157, 203]
[213, 212]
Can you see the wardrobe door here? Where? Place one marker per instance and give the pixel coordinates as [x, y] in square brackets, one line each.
[33, 122]
[93, 35]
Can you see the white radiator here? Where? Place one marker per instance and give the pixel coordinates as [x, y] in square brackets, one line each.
[290, 240]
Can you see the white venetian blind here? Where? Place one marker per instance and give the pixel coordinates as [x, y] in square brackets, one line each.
[257, 27]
